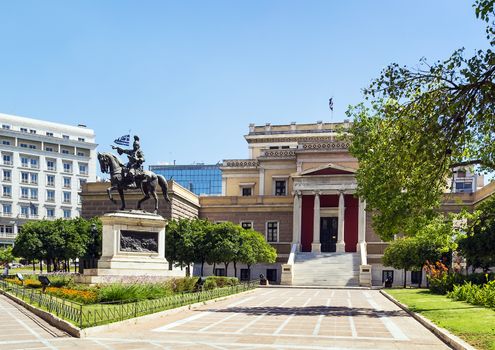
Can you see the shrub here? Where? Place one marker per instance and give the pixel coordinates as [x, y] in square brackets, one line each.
[445, 283]
[129, 292]
[222, 281]
[183, 285]
[475, 294]
[209, 284]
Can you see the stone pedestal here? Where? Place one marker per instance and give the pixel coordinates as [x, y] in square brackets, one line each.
[133, 245]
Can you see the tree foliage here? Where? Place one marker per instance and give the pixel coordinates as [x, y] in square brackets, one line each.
[199, 241]
[6, 255]
[418, 125]
[478, 245]
[57, 242]
[429, 244]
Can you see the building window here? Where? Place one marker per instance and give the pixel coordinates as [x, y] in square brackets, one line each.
[49, 133]
[49, 149]
[34, 178]
[67, 167]
[34, 193]
[64, 151]
[7, 175]
[5, 127]
[247, 191]
[65, 137]
[220, 272]
[81, 139]
[247, 225]
[5, 143]
[387, 274]
[50, 195]
[50, 165]
[7, 159]
[50, 212]
[6, 191]
[280, 187]
[416, 277]
[464, 186]
[24, 211]
[83, 169]
[81, 154]
[81, 183]
[32, 146]
[34, 163]
[32, 131]
[7, 209]
[67, 182]
[24, 130]
[245, 275]
[271, 275]
[67, 213]
[24, 145]
[24, 192]
[66, 198]
[50, 180]
[34, 210]
[24, 178]
[272, 231]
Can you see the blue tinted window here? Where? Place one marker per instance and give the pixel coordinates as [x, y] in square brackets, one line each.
[200, 179]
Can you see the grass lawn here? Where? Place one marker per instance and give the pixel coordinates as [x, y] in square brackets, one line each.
[474, 324]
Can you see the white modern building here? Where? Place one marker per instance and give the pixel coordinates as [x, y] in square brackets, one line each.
[42, 167]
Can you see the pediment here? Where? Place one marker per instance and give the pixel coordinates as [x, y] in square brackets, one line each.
[329, 169]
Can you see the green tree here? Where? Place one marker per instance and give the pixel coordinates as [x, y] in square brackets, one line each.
[401, 254]
[226, 243]
[255, 249]
[478, 245]
[6, 255]
[429, 244]
[28, 244]
[418, 125]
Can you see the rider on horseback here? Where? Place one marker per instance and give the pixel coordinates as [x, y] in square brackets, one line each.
[136, 159]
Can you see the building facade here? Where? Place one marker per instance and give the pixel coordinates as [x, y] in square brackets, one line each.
[298, 188]
[43, 166]
[201, 179]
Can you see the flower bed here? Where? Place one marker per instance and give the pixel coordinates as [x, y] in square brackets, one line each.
[80, 296]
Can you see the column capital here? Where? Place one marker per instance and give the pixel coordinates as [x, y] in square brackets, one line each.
[317, 193]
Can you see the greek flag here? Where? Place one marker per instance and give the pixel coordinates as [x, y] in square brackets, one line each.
[123, 140]
[330, 103]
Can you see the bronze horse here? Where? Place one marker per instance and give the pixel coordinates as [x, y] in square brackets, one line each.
[146, 181]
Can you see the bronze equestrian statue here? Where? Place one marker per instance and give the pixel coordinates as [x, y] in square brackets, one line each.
[131, 176]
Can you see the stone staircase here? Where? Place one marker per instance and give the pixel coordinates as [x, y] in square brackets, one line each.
[326, 269]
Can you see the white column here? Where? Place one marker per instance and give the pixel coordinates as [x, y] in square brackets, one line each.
[316, 246]
[340, 235]
[361, 225]
[296, 220]
[262, 182]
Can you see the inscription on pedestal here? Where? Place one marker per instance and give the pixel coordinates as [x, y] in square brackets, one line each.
[138, 241]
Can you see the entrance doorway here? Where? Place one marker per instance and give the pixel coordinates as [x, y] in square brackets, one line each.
[328, 234]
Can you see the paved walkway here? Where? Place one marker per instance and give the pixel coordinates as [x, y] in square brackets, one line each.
[276, 318]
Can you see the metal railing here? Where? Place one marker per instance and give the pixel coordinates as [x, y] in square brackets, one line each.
[91, 315]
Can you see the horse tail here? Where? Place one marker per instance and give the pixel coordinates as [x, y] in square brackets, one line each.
[164, 186]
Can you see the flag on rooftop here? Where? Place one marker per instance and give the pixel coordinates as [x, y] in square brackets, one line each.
[123, 140]
[330, 103]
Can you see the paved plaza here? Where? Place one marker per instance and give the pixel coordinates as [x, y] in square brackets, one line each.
[268, 318]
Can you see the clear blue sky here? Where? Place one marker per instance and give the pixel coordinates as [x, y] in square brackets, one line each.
[189, 76]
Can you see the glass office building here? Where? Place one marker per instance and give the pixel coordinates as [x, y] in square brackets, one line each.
[202, 179]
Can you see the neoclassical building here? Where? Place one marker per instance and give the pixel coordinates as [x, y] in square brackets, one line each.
[298, 188]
